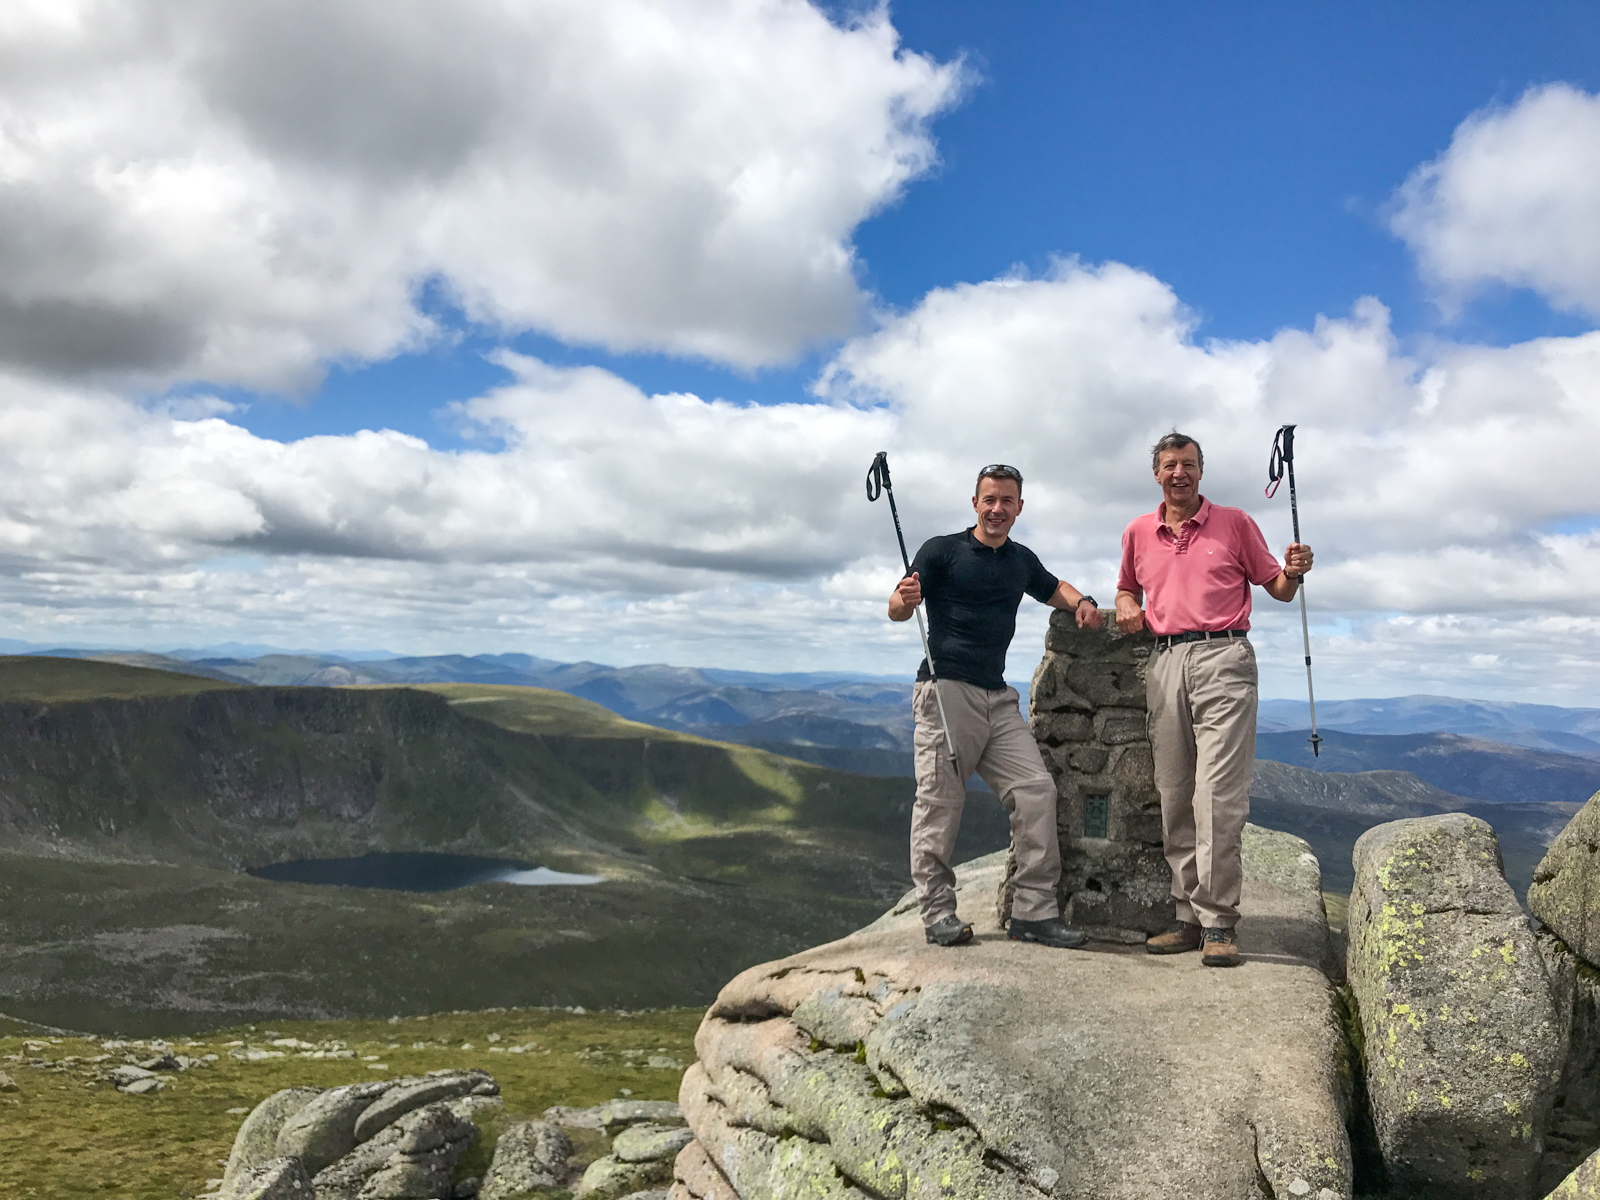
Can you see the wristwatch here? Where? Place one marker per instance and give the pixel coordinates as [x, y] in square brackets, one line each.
[1087, 599]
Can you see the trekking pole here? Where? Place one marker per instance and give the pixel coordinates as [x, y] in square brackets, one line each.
[1281, 460]
[877, 484]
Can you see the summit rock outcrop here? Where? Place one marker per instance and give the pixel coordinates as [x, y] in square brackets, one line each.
[881, 1066]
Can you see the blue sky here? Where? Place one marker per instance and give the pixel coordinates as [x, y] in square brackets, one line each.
[1246, 154]
[371, 325]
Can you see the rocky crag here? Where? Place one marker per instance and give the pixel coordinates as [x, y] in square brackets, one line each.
[405, 1139]
[1452, 1052]
[882, 1066]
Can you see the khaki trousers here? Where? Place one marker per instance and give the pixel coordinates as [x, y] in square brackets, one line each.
[992, 739]
[1202, 702]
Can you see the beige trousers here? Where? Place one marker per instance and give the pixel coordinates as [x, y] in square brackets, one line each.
[993, 740]
[1202, 701]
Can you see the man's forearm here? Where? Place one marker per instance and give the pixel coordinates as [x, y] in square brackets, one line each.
[1283, 587]
[899, 610]
[1065, 596]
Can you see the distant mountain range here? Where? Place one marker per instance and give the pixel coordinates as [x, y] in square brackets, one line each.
[1537, 726]
[1331, 809]
[1464, 766]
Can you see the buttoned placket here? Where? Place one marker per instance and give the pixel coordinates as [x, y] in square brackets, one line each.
[1181, 539]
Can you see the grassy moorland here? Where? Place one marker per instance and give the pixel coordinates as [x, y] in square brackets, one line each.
[66, 1136]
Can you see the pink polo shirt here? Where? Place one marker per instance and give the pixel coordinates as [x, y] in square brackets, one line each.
[1198, 579]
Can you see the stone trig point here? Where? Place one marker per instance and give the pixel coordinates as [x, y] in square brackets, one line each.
[1087, 709]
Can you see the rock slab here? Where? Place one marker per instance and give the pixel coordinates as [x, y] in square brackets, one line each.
[1582, 1184]
[650, 1143]
[1463, 1045]
[412, 1159]
[324, 1131]
[409, 1095]
[533, 1154]
[618, 1114]
[257, 1139]
[276, 1179]
[880, 1066]
[610, 1178]
[1565, 894]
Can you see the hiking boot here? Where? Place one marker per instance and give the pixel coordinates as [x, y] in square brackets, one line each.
[1054, 932]
[1181, 938]
[949, 931]
[1222, 948]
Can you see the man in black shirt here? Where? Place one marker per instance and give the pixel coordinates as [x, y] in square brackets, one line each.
[973, 582]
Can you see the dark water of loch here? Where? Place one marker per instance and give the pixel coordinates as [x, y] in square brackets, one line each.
[417, 872]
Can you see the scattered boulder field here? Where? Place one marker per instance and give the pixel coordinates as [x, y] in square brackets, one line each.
[404, 1139]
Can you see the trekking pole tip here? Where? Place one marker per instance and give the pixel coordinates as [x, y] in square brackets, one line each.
[1316, 745]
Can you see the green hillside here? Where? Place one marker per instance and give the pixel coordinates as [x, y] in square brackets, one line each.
[50, 680]
[545, 712]
[131, 800]
[674, 784]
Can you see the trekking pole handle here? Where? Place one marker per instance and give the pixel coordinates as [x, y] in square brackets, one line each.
[1282, 457]
[877, 484]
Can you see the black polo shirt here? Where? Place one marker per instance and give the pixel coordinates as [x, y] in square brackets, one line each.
[972, 592]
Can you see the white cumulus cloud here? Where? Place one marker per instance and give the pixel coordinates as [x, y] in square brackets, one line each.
[1514, 200]
[238, 192]
[594, 519]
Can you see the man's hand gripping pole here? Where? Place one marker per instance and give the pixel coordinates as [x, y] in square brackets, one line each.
[877, 485]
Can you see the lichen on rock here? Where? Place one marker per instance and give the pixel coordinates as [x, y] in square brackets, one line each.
[611, 1178]
[412, 1158]
[1463, 1046]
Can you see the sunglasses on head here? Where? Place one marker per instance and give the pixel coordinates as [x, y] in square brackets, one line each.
[1000, 471]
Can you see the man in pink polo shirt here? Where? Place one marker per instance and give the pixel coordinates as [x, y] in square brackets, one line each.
[1191, 564]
